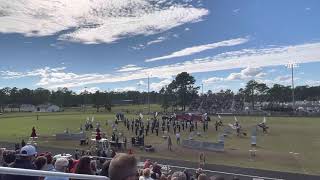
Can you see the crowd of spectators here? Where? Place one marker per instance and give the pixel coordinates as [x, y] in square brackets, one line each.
[121, 167]
[212, 103]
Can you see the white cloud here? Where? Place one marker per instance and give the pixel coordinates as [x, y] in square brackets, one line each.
[124, 89]
[283, 78]
[245, 74]
[95, 21]
[187, 29]
[212, 80]
[141, 83]
[89, 90]
[197, 49]
[235, 11]
[272, 70]
[313, 82]
[254, 58]
[138, 47]
[307, 9]
[129, 68]
[176, 35]
[161, 84]
[58, 45]
[158, 40]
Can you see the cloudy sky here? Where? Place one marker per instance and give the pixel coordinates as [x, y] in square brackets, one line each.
[117, 44]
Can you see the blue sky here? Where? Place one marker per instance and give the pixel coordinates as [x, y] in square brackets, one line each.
[116, 44]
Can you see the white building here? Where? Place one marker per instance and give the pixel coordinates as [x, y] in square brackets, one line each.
[27, 108]
[47, 108]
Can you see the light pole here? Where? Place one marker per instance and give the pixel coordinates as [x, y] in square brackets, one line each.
[292, 66]
[148, 93]
[84, 99]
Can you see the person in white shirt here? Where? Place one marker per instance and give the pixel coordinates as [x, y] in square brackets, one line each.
[178, 138]
[146, 175]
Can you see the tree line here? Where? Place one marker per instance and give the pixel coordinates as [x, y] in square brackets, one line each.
[180, 94]
[64, 97]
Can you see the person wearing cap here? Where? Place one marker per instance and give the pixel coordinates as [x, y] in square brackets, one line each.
[61, 165]
[123, 167]
[24, 160]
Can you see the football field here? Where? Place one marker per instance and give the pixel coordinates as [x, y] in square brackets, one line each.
[292, 144]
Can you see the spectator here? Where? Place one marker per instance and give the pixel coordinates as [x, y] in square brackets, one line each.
[203, 177]
[23, 143]
[178, 176]
[146, 175]
[40, 162]
[76, 154]
[49, 166]
[147, 164]
[8, 157]
[198, 172]
[61, 165]
[105, 169]
[24, 161]
[73, 166]
[113, 153]
[1, 156]
[156, 169]
[70, 165]
[93, 166]
[188, 175]
[123, 167]
[83, 166]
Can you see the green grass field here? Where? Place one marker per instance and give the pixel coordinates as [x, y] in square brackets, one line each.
[299, 135]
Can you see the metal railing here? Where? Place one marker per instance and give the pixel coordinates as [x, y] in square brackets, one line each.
[38, 173]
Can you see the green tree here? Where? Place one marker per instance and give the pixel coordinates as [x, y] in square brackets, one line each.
[183, 87]
[4, 98]
[253, 90]
[98, 99]
[165, 104]
[279, 93]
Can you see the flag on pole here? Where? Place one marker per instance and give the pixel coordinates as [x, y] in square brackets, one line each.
[235, 118]
[204, 116]
[141, 116]
[264, 120]
[219, 116]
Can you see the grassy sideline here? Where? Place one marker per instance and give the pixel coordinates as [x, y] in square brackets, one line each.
[300, 135]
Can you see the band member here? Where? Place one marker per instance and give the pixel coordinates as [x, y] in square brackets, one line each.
[202, 160]
[33, 133]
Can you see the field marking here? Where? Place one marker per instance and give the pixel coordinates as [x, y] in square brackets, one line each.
[221, 172]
